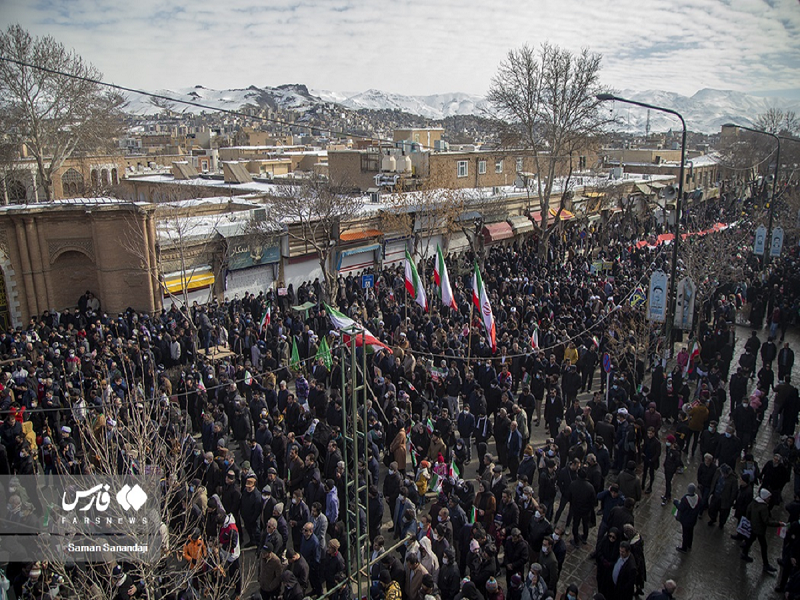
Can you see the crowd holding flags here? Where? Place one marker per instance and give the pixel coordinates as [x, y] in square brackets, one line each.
[480, 298]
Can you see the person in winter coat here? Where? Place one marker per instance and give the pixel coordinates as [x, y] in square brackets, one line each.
[723, 495]
[688, 512]
[269, 572]
[469, 591]
[291, 588]
[629, 485]
[637, 550]
[449, 580]
[582, 499]
[651, 456]
[535, 587]
[758, 514]
[517, 554]
[672, 462]
[606, 556]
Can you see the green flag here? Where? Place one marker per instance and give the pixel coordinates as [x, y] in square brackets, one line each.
[324, 353]
[294, 362]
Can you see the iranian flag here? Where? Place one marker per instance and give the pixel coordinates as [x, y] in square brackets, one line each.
[442, 280]
[480, 298]
[693, 354]
[454, 471]
[341, 321]
[266, 319]
[414, 283]
[535, 337]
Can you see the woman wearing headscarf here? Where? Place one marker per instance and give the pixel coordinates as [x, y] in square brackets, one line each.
[606, 556]
[485, 505]
[428, 558]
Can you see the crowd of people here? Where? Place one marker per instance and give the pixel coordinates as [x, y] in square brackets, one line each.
[261, 440]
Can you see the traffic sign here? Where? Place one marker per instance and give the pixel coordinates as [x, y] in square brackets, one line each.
[606, 362]
[367, 281]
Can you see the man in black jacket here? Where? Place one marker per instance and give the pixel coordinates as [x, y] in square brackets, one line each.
[582, 498]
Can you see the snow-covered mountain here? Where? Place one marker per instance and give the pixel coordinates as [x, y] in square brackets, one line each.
[705, 111]
[287, 97]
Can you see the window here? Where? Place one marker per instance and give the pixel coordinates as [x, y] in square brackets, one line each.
[520, 166]
[463, 168]
[114, 177]
[481, 167]
[370, 162]
[582, 163]
[498, 166]
[72, 183]
[16, 192]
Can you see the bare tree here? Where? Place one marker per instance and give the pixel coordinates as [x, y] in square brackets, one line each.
[55, 116]
[545, 100]
[777, 121]
[315, 212]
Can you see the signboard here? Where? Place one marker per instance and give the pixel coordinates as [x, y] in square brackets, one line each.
[596, 267]
[367, 281]
[283, 291]
[686, 293]
[244, 254]
[657, 297]
[760, 240]
[606, 362]
[776, 244]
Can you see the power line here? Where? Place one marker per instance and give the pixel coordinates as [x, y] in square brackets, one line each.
[228, 111]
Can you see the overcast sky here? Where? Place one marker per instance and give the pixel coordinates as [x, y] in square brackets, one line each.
[421, 47]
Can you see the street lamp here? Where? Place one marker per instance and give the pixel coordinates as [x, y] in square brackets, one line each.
[777, 139]
[678, 209]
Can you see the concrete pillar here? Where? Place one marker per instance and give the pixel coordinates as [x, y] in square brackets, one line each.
[37, 268]
[142, 222]
[151, 247]
[27, 270]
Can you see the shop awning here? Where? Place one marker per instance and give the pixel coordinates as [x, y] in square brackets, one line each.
[520, 224]
[468, 215]
[497, 232]
[644, 189]
[364, 234]
[195, 279]
[565, 216]
[359, 250]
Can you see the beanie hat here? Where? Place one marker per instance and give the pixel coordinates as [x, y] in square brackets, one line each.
[671, 439]
[491, 585]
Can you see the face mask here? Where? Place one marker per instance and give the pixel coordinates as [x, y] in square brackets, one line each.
[556, 537]
[208, 462]
[550, 453]
[294, 500]
[711, 429]
[669, 444]
[727, 435]
[572, 597]
[402, 497]
[197, 452]
[545, 550]
[445, 561]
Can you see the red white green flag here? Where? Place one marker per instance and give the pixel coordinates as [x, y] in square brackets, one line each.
[693, 354]
[442, 280]
[480, 298]
[343, 322]
[414, 283]
[535, 337]
[266, 319]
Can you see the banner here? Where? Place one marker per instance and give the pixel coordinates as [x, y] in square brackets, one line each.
[760, 240]
[657, 297]
[686, 293]
[776, 244]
